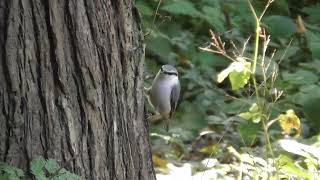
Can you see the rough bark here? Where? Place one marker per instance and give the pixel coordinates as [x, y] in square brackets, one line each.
[71, 87]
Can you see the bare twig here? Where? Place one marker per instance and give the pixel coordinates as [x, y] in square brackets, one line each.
[218, 46]
[245, 45]
[155, 14]
[265, 9]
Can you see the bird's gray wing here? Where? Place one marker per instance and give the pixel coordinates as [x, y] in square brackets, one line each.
[174, 98]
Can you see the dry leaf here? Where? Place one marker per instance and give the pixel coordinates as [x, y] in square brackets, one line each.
[290, 123]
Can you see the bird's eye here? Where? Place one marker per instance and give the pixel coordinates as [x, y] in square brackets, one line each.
[161, 69]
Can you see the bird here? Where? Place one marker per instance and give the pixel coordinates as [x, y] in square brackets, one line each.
[163, 95]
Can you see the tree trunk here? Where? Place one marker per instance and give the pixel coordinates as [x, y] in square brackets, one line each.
[72, 87]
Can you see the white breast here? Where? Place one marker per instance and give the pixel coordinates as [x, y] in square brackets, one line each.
[161, 92]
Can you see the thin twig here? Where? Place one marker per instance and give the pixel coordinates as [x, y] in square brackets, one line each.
[245, 45]
[265, 9]
[155, 14]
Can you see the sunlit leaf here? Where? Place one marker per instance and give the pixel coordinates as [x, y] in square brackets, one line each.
[253, 114]
[287, 165]
[254, 108]
[239, 79]
[246, 115]
[256, 117]
[238, 72]
[290, 123]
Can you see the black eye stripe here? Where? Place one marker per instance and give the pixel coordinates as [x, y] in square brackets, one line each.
[171, 73]
[161, 69]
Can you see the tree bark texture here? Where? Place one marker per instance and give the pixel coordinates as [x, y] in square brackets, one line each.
[71, 74]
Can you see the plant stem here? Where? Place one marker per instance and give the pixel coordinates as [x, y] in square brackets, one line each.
[253, 69]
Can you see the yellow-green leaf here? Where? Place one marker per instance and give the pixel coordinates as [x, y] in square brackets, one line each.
[254, 108]
[240, 76]
[253, 114]
[246, 115]
[238, 72]
[290, 123]
[209, 149]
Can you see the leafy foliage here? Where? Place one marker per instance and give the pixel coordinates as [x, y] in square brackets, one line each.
[40, 168]
[9, 172]
[215, 114]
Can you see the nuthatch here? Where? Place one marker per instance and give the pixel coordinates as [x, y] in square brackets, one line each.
[164, 93]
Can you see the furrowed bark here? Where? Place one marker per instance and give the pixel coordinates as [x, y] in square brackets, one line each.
[71, 87]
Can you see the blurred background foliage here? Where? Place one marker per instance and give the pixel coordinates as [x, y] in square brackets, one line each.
[207, 120]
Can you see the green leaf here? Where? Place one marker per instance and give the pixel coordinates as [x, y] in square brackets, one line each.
[248, 132]
[311, 110]
[3, 177]
[41, 176]
[240, 16]
[51, 166]
[203, 58]
[144, 8]
[212, 119]
[314, 47]
[234, 107]
[212, 15]
[10, 171]
[279, 7]
[19, 172]
[181, 8]
[37, 166]
[314, 43]
[313, 13]
[300, 77]
[285, 53]
[280, 26]
[240, 76]
[193, 118]
[7, 168]
[159, 46]
[67, 175]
